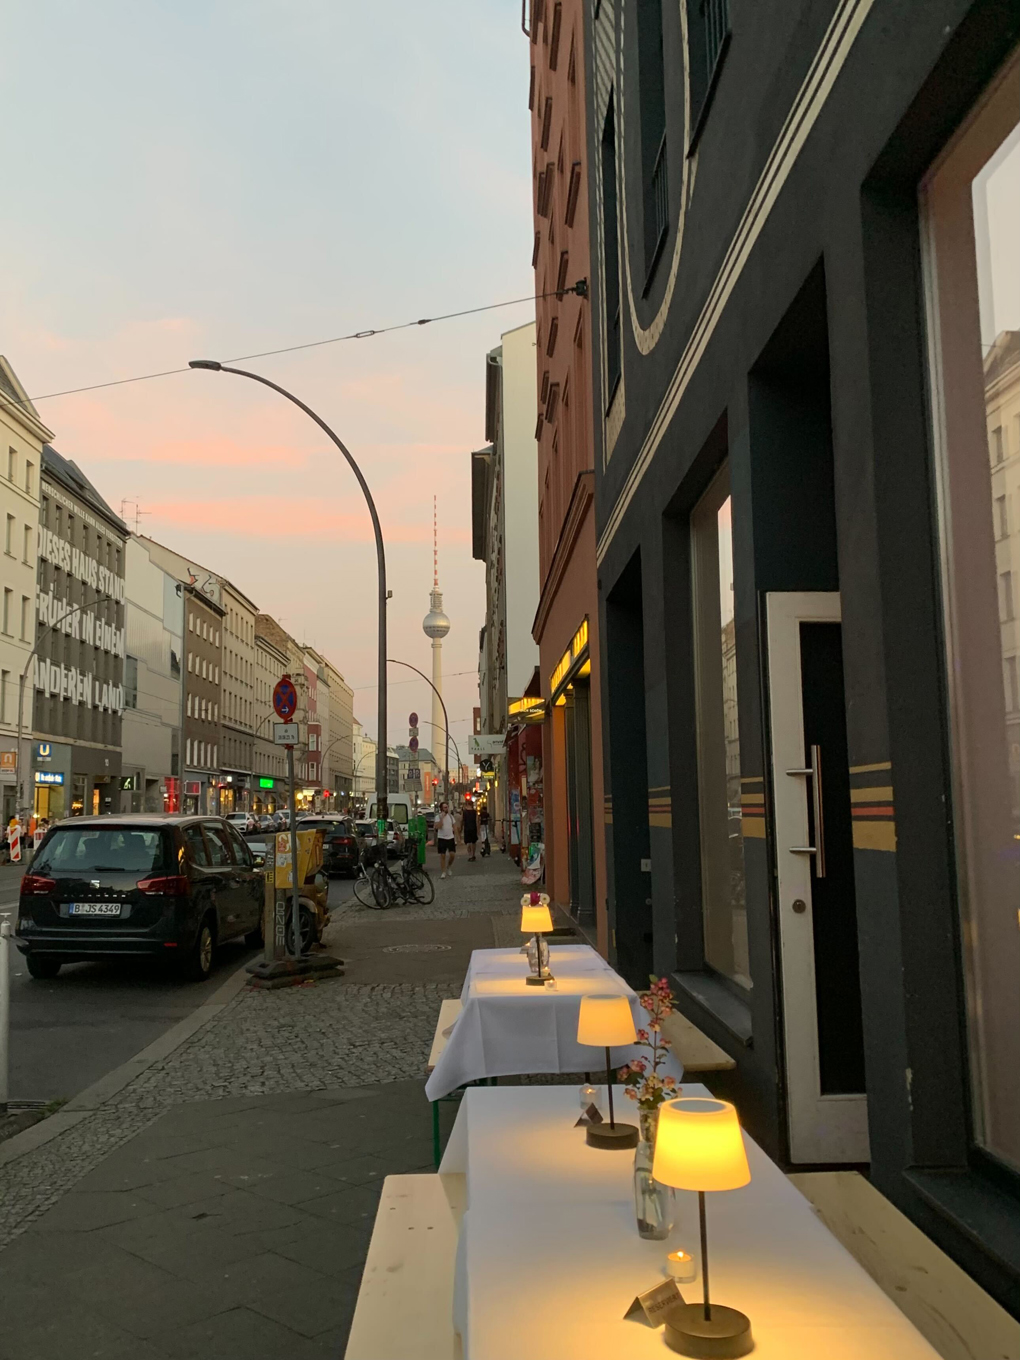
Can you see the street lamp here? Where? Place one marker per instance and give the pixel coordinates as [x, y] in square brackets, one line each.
[446, 719]
[380, 765]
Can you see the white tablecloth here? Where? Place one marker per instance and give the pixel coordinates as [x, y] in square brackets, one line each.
[550, 1259]
[507, 1028]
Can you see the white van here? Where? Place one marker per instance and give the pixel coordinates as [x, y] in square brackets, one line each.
[401, 809]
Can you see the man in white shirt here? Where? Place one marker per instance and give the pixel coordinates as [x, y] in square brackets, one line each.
[446, 841]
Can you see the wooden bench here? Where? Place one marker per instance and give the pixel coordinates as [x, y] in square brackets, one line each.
[448, 1013]
[695, 1050]
[405, 1303]
[951, 1311]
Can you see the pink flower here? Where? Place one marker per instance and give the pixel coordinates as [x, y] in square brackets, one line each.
[631, 1093]
[642, 1035]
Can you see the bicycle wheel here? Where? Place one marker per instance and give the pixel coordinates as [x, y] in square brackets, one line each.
[363, 890]
[420, 887]
[382, 893]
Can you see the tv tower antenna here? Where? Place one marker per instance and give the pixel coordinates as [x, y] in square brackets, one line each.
[435, 545]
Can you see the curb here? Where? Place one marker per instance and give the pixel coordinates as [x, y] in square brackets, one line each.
[96, 1095]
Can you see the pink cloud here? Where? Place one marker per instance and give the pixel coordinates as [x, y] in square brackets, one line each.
[273, 517]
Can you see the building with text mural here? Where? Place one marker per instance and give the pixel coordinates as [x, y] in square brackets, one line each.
[78, 674]
[22, 436]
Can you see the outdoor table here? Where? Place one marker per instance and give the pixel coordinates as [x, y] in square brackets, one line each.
[549, 1258]
[507, 1028]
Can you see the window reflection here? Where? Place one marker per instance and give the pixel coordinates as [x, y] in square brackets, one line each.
[971, 210]
[722, 846]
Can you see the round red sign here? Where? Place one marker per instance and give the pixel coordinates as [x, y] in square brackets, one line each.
[285, 699]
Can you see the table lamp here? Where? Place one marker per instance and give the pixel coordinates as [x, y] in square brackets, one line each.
[536, 918]
[606, 1022]
[699, 1146]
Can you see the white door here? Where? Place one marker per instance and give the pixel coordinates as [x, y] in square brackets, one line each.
[826, 1104]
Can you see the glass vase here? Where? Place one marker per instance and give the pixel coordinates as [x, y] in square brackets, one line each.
[654, 1203]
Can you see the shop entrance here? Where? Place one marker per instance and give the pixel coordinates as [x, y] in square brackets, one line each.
[577, 715]
[813, 848]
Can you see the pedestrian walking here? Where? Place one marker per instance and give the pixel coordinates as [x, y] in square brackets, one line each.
[483, 830]
[469, 829]
[446, 840]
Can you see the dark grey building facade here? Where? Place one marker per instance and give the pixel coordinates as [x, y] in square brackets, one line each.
[79, 666]
[806, 315]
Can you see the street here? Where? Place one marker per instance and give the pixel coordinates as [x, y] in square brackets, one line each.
[69, 1032]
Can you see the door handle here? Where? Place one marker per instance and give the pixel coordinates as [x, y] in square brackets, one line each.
[814, 773]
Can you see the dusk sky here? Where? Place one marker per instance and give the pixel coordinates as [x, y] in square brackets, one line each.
[217, 178]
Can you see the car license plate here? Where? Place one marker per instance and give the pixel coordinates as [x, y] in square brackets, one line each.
[94, 909]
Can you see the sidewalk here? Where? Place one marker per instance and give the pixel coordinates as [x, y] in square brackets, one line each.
[219, 1203]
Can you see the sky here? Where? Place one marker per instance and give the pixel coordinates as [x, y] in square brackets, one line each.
[214, 178]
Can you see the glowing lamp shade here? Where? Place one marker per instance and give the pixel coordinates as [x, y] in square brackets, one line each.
[699, 1146]
[605, 1022]
[534, 920]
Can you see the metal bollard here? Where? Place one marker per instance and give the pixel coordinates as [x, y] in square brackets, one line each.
[5, 1009]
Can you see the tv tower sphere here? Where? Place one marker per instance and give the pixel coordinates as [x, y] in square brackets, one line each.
[435, 623]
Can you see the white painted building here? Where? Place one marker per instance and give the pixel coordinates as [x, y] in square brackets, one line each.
[23, 435]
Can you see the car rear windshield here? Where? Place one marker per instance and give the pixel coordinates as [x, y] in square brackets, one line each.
[113, 849]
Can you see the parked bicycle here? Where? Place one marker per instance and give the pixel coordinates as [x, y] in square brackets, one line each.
[378, 886]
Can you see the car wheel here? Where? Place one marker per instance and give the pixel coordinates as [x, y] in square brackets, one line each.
[42, 965]
[200, 960]
[308, 931]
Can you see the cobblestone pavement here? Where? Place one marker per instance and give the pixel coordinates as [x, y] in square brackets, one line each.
[323, 1036]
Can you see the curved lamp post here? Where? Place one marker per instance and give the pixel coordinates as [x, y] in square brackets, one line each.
[394, 662]
[214, 366]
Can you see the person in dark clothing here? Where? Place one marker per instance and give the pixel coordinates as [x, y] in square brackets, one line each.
[483, 830]
[469, 829]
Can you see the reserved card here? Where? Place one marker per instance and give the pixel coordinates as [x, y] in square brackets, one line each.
[652, 1307]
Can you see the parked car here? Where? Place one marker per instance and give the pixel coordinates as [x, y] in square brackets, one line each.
[341, 842]
[266, 822]
[244, 821]
[258, 843]
[394, 837]
[147, 885]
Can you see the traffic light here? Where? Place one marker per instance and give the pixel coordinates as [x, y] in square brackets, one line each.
[435, 780]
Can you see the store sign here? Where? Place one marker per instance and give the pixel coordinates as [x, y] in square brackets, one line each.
[193, 788]
[49, 777]
[78, 564]
[486, 743]
[8, 760]
[80, 686]
[81, 624]
[525, 710]
[265, 783]
[569, 657]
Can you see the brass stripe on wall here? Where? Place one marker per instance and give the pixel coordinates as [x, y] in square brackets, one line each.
[874, 835]
[753, 827]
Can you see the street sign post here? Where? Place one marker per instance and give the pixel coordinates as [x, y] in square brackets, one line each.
[286, 733]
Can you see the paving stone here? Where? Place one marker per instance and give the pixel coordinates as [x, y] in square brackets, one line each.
[237, 1333]
[329, 1248]
[345, 1206]
[186, 1189]
[84, 1210]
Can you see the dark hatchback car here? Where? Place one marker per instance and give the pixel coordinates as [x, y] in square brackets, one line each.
[156, 886]
[341, 845]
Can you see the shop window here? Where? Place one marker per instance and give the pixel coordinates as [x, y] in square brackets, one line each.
[130, 682]
[718, 730]
[971, 221]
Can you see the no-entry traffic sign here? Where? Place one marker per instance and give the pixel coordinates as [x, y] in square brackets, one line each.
[412, 720]
[285, 699]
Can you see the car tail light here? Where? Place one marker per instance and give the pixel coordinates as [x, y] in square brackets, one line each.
[33, 885]
[175, 885]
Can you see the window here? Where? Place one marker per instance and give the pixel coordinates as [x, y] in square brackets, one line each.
[205, 629]
[1012, 686]
[1006, 595]
[191, 623]
[205, 669]
[175, 664]
[5, 677]
[718, 734]
[196, 846]
[12, 464]
[546, 124]
[30, 478]
[44, 512]
[190, 659]
[219, 847]
[189, 705]
[971, 223]
[8, 598]
[9, 536]
[611, 262]
[554, 41]
[26, 617]
[652, 117]
[708, 36]
[26, 555]
[130, 682]
[187, 747]
[1001, 518]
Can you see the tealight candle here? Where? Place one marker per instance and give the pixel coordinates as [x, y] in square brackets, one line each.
[680, 1264]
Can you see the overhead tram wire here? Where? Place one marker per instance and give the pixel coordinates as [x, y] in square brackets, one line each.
[580, 288]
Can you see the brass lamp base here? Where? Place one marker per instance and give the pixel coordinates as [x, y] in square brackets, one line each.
[612, 1136]
[534, 981]
[723, 1336]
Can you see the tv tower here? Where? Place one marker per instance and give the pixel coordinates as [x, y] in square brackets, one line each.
[436, 626]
